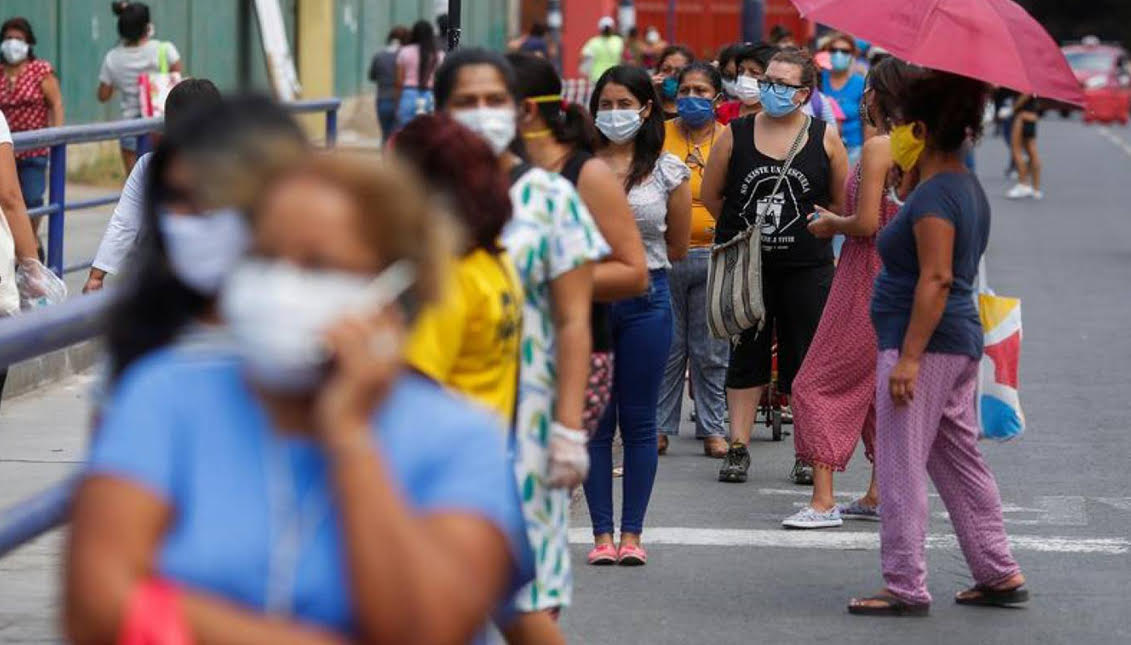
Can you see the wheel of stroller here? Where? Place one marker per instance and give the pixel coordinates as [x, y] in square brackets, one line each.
[775, 424]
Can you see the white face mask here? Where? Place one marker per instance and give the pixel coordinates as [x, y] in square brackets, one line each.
[619, 125]
[747, 90]
[729, 88]
[14, 50]
[652, 37]
[278, 314]
[203, 249]
[495, 125]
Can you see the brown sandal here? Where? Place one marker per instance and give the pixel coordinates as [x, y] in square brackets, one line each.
[662, 444]
[983, 596]
[891, 606]
[715, 447]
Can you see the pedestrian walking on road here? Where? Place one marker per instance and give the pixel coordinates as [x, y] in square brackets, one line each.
[383, 72]
[930, 342]
[554, 243]
[416, 71]
[137, 54]
[691, 138]
[834, 393]
[561, 138]
[602, 51]
[1023, 147]
[632, 141]
[797, 266]
[672, 61]
[30, 99]
[845, 85]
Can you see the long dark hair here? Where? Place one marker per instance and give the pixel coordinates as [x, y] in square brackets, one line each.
[949, 105]
[424, 37]
[235, 141]
[570, 123]
[20, 23]
[649, 143]
[133, 20]
[458, 164]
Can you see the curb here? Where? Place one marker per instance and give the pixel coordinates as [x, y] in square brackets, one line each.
[35, 373]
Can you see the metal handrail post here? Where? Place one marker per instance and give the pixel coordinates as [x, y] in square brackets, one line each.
[331, 127]
[57, 195]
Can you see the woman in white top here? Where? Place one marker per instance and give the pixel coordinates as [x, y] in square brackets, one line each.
[631, 121]
[135, 55]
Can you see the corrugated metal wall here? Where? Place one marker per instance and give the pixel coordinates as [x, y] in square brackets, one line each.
[76, 34]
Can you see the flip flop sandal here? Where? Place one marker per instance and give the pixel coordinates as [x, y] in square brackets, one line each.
[892, 607]
[989, 597]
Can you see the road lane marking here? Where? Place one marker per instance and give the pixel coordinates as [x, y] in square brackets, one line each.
[849, 540]
[1117, 140]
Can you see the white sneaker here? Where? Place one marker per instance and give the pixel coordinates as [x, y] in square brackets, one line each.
[1038, 194]
[811, 518]
[1020, 191]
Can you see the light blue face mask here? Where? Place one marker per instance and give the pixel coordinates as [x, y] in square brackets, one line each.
[777, 105]
[840, 61]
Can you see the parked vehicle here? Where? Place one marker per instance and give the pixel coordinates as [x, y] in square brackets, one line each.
[1104, 73]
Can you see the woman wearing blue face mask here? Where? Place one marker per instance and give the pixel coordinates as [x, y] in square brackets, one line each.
[845, 86]
[797, 267]
[666, 79]
[690, 137]
[632, 142]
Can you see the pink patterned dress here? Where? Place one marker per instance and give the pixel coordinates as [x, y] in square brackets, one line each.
[834, 392]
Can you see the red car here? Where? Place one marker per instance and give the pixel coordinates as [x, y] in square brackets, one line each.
[1102, 70]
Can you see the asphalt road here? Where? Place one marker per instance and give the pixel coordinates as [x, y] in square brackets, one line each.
[1065, 483]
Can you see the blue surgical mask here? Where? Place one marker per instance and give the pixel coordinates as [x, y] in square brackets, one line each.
[775, 105]
[840, 61]
[670, 87]
[695, 111]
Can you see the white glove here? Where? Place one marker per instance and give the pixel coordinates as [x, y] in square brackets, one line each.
[569, 457]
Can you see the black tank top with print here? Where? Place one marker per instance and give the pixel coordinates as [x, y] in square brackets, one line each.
[599, 318]
[751, 176]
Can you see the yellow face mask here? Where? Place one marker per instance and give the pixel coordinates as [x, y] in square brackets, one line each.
[906, 147]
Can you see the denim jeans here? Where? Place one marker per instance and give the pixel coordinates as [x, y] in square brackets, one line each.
[642, 333]
[387, 116]
[33, 180]
[692, 341]
[414, 102]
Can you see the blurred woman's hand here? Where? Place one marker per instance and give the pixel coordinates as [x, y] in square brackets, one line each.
[822, 223]
[366, 354]
[901, 382]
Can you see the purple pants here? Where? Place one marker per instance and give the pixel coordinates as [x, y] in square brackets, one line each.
[937, 434]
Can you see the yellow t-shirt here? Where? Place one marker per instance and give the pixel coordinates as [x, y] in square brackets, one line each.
[702, 224]
[469, 340]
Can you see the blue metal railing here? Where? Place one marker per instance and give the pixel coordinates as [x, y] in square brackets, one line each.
[52, 328]
[57, 140]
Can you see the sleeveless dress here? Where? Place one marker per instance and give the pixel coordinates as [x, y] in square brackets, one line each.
[835, 391]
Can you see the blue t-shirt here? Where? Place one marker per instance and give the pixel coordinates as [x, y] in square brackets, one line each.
[958, 198]
[187, 427]
[848, 98]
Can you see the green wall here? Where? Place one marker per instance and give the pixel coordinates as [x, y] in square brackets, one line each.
[219, 39]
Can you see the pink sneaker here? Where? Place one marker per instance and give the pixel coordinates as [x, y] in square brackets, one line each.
[603, 555]
[631, 555]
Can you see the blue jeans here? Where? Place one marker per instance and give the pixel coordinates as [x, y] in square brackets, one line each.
[387, 116]
[642, 334]
[414, 102]
[692, 341]
[33, 180]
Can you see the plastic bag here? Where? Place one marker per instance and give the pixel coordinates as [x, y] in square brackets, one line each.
[38, 286]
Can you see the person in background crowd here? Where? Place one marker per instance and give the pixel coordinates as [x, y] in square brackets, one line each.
[654, 45]
[691, 137]
[632, 141]
[930, 343]
[601, 51]
[383, 72]
[728, 69]
[17, 236]
[554, 244]
[561, 138]
[534, 42]
[30, 99]
[442, 32]
[121, 233]
[781, 37]
[797, 267]
[397, 535]
[835, 389]
[845, 86]
[666, 77]
[137, 53]
[634, 48]
[1004, 99]
[750, 65]
[416, 69]
[468, 340]
[1023, 143]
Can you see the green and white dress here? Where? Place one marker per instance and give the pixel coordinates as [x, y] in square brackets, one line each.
[550, 233]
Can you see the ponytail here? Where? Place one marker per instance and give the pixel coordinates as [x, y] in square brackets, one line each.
[570, 123]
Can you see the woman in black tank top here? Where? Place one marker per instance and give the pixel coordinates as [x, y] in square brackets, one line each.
[797, 267]
[560, 138]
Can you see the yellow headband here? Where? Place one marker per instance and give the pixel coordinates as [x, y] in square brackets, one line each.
[549, 98]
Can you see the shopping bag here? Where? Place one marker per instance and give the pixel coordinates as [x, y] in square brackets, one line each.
[999, 402]
[154, 87]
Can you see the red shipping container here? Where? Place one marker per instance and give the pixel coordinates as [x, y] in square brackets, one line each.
[708, 25]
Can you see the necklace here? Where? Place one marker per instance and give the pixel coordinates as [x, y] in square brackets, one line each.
[694, 158]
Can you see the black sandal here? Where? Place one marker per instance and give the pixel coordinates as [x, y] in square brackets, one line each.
[990, 597]
[892, 607]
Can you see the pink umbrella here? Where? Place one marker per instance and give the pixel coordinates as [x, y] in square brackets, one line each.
[992, 40]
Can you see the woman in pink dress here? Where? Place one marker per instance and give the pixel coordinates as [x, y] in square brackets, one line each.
[834, 392]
